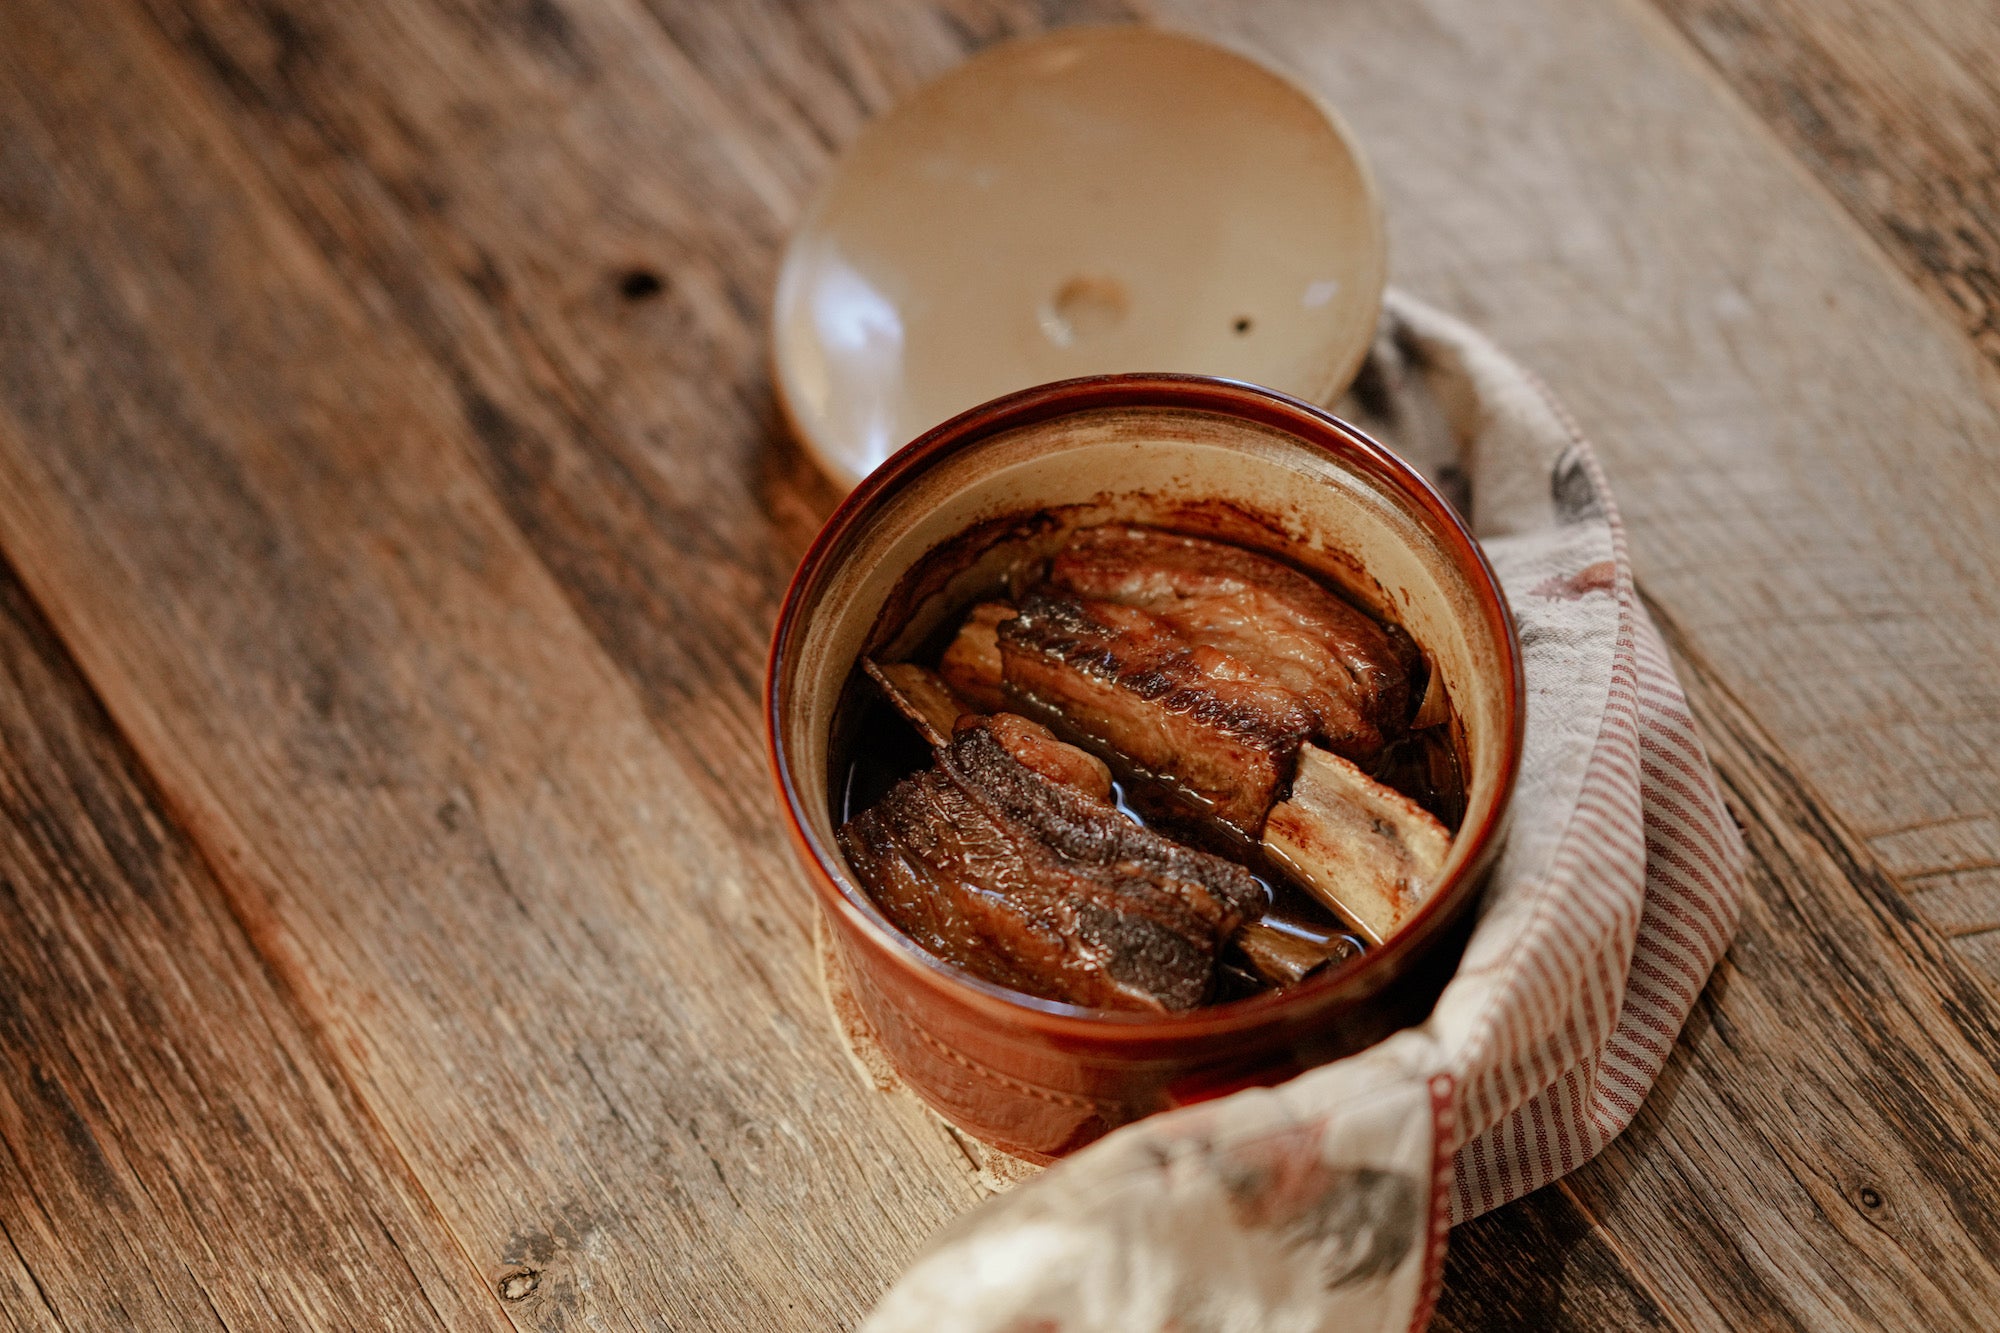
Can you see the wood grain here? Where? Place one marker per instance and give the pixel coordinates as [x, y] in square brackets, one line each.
[1542, 1263]
[556, 963]
[632, 438]
[174, 1150]
[383, 422]
[1896, 109]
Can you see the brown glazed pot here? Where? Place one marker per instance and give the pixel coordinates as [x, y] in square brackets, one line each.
[930, 531]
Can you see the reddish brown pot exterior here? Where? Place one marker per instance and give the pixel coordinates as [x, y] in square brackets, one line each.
[1042, 1079]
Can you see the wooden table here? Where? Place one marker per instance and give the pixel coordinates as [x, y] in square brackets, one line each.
[395, 929]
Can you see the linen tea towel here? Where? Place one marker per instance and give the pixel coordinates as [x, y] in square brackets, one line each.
[1325, 1203]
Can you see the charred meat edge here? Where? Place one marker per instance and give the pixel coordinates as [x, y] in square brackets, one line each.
[1076, 903]
[928, 703]
[1352, 671]
[1210, 739]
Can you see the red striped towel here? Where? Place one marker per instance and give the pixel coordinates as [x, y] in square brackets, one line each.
[1325, 1203]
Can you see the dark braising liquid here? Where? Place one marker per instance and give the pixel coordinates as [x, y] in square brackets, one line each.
[885, 750]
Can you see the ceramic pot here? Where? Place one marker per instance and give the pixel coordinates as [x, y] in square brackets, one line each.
[931, 531]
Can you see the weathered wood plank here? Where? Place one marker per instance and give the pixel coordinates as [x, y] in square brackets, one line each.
[556, 961]
[1542, 1263]
[175, 1149]
[23, 1307]
[709, 221]
[632, 438]
[1896, 108]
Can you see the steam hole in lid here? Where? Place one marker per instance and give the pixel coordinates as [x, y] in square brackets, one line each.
[1085, 307]
[1242, 324]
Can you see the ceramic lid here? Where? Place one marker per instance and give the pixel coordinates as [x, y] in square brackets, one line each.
[1093, 200]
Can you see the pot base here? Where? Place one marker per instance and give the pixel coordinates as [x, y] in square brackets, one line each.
[994, 1170]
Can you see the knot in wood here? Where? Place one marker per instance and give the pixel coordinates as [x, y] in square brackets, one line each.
[518, 1284]
[638, 284]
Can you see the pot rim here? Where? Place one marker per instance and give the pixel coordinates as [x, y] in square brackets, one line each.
[1301, 421]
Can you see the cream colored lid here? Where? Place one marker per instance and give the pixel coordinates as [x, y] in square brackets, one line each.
[1093, 200]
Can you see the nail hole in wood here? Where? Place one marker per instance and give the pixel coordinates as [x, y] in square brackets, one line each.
[640, 284]
[518, 1284]
[1871, 1198]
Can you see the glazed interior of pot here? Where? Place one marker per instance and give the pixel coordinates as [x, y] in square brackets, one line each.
[927, 546]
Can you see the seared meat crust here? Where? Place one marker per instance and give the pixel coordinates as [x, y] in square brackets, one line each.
[1206, 735]
[1352, 673]
[1034, 746]
[1042, 888]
